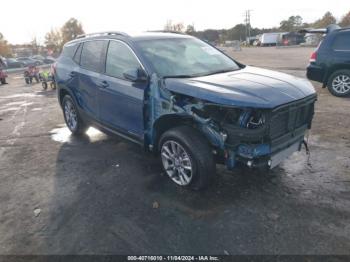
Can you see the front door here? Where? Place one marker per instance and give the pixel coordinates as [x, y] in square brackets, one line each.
[121, 100]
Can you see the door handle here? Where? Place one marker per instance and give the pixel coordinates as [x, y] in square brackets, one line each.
[104, 84]
[72, 74]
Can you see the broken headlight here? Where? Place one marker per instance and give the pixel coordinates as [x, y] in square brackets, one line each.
[252, 119]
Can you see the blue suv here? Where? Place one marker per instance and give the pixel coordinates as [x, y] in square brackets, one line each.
[330, 63]
[184, 100]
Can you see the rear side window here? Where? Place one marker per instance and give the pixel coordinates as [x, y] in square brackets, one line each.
[69, 50]
[119, 59]
[92, 55]
[78, 54]
[342, 42]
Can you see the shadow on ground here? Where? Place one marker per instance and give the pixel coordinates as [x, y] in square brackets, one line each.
[105, 190]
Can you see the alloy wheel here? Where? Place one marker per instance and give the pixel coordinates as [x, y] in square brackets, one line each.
[177, 163]
[71, 115]
[341, 84]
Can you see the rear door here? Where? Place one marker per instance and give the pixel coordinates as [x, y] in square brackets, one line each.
[121, 100]
[89, 74]
[65, 66]
[341, 48]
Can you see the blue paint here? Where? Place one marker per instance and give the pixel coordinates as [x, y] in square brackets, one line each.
[135, 108]
[230, 160]
[252, 151]
[248, 87]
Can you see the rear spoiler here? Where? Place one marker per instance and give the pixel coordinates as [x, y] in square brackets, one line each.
[327, 30]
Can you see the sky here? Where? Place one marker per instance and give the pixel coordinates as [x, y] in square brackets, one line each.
[22, 20]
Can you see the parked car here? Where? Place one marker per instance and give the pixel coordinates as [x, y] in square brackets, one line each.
[13, 63]
[330, 63]
[49, 60]
[183, 100]
[29, 61]
[38, 57]
[44, 60]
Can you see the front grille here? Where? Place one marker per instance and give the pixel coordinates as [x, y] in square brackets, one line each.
[291, 117]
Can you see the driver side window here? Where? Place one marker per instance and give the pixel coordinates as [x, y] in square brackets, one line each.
[120, 59]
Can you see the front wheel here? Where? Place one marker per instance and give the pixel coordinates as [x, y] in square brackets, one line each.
[187, 157]
[71, 116]
[339, 83]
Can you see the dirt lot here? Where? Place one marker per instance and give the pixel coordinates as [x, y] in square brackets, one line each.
[61, 195]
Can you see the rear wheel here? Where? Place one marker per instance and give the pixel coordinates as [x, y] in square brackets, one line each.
[44, 85]
[339, 83]
[186, 157]
[71, 117]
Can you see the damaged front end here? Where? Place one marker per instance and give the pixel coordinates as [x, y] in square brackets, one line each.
[256, 137]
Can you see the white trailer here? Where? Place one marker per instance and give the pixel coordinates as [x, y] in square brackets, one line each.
[269, 39]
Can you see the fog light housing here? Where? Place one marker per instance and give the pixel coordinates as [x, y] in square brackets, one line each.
[250, 163]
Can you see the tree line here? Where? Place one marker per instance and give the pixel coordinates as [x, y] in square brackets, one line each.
[56, 38]
[239, 31]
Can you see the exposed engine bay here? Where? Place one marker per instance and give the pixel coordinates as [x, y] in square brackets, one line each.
[237, 134]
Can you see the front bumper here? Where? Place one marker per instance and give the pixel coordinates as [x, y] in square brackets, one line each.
[268, 146]
[262, 155]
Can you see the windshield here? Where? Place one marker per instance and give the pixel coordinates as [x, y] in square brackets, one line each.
[185, 57]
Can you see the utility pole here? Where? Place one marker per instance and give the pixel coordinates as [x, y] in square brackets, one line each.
[247, 24]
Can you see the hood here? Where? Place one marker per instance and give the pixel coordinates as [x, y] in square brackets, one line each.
[248, 87]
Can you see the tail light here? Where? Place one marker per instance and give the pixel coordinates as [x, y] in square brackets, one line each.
[313, 57]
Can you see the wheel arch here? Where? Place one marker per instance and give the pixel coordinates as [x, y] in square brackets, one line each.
[62, 92]
[166, 122]
[333, 69]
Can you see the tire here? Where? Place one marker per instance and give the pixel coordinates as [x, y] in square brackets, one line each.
[184, 149]
[2, 81]
[339, 83]
[44, 85]
[72, 118]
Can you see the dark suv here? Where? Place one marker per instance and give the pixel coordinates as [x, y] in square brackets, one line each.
[183, 99]
[330, 63]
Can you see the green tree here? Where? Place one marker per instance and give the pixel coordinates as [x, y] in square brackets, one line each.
[190, 30]
[238, 32]
[53, 40]
[291, 24]
[325, 21]
[345, 21]
[5, 49]
[211, 35]
[71, 29]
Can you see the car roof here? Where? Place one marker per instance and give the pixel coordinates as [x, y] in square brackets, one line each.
[346, 29]
[131, 37]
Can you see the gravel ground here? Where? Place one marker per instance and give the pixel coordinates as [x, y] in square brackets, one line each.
[102, 195]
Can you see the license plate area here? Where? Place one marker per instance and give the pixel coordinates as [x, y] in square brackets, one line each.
[280, 156]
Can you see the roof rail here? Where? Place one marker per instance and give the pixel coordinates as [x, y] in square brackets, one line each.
[326, 30]
[102, 33]
[166, 31]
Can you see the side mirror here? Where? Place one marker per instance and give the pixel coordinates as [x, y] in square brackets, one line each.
[135, 75]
